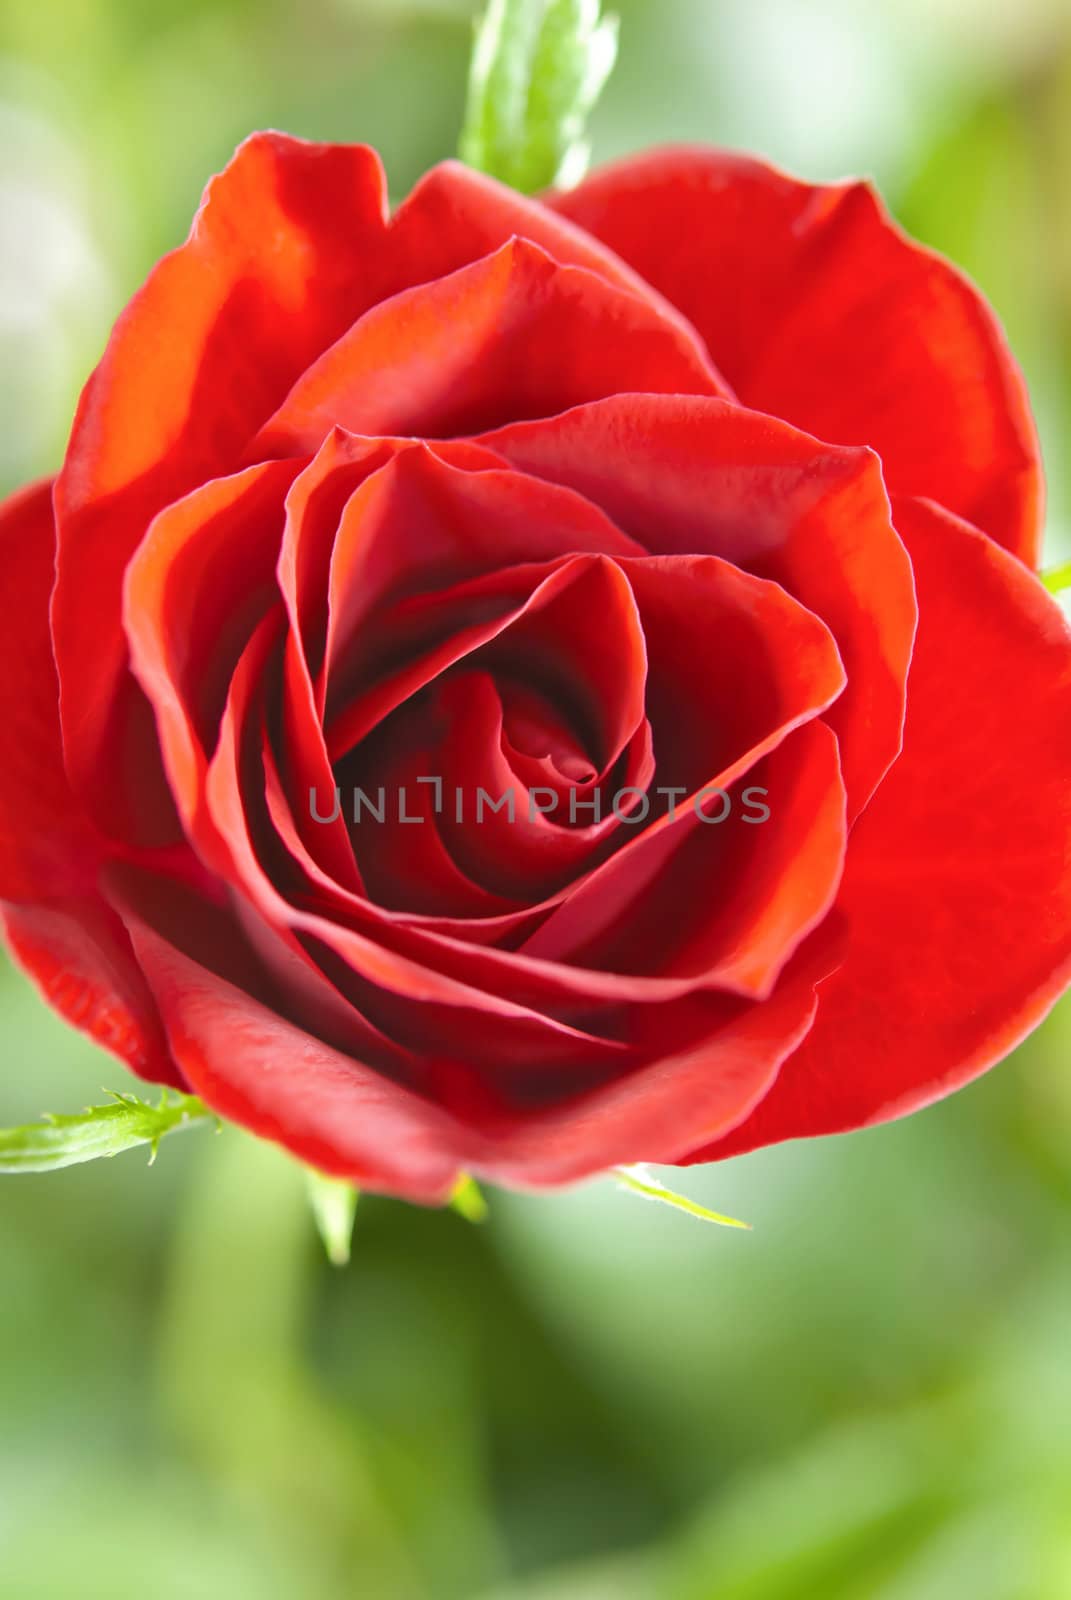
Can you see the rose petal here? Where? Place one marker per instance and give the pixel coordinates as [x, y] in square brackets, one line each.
[455, 215]
[78, 954]
[460, 525]
[198, 359]
[514, 335]
[314, 510]
[649, 1114]
[957, 894]
[202, 579]
[47, 846]
[819, 309]
[70, 943]
[688, 475]
[725, 904]
[255, 1068]
[409, 1001]
[344, 1118]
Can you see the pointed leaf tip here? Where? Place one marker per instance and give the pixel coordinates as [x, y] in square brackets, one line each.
[467, 1200]
[638, 1180]
[1058, 578]
[334, 1210]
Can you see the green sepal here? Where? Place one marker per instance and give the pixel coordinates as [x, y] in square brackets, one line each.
[334, 1209]
[467, 1200]
[98, 1131]
[1058, 579]
[638, 1180]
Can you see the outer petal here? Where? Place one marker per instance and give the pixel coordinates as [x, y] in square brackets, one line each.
[59, 928]
[650, 1114]
[817, 308]
[283, 255]
[254, 1067]
[79, 955]
[957, 892]
[46, 846]
[338, 1114]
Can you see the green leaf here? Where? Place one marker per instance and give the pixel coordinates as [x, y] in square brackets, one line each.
[538, 67]
[639, 1181]
[1058, 579]
[334, 1207]
[467, 1200]
[64, 1141]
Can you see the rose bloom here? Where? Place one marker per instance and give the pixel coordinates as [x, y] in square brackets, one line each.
[694, 478]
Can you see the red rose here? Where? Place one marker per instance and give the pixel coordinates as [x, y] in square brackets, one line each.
[624, 497]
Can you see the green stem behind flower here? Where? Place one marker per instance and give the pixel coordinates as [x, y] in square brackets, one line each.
[538, 67]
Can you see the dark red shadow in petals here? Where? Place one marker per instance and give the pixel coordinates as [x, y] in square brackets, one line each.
[957, 895]
[391, 809]
[394, 854]
[683, 475]
[315, 508]
[711, 1059]
[723, 904]
[407, 1000]
[403, 648]
[460, 524]
[516, 852]
[595, 680]
[594, 677]
[201, 581]
[251, 1065]
[514, 335]
[744, 666]
[298, 738]
[819, 309]
[266, 962]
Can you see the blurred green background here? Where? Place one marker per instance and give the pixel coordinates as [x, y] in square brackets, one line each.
[589, 1398]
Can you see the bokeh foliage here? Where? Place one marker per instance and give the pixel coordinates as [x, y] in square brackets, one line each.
[588, 1398]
